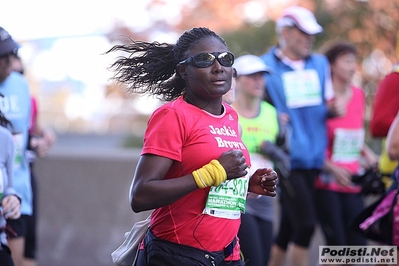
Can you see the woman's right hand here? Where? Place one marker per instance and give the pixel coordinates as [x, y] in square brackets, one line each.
[11, 207]
[341, 175]
[234, 164]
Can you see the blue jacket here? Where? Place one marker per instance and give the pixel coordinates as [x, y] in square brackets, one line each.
[16, 107]
[308, 141]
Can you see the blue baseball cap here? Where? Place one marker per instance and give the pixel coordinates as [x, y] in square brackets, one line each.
[7, 44]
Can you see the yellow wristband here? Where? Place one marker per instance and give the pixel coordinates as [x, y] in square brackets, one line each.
[211, 174]
[219, 173]
[198, 179]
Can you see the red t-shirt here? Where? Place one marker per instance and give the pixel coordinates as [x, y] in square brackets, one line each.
[349, 126]
[192, 138]
[386, 105]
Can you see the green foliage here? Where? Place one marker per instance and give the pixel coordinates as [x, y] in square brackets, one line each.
[257, 40]
[367, 24]
[251, 39]
[324, 18]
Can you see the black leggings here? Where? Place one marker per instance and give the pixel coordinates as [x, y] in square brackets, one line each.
[284, 234]
[256, 238]
[298, 212]
[336, 210]
[31, 221]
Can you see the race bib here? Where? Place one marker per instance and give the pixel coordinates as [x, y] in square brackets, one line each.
[347, 145]
[18, 143]
[302, 88]
[228, 200]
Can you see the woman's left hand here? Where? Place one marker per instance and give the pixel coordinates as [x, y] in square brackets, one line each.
[264, 182]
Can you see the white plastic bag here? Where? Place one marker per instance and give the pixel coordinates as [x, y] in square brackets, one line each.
[126, 253]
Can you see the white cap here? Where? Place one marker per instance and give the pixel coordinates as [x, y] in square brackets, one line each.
[250, 64]
[300, 17]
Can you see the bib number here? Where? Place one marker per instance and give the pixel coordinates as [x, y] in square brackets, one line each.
[228, 200]
[302, 88]
[18, 143]
[347, 145]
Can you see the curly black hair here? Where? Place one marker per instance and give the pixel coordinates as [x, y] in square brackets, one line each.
[150, 68]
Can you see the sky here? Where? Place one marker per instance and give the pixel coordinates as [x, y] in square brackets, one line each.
[63, 46]
[57, 31]
[54, 31]
[33, 19]
[49, 18]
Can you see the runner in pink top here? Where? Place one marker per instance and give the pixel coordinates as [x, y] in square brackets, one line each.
[193, 169]
[204, 138]
[345, 142]
[338, 200]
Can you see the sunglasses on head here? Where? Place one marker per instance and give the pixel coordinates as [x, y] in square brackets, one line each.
[207, 59]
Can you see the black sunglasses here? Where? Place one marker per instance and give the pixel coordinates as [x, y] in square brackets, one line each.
[207, 59]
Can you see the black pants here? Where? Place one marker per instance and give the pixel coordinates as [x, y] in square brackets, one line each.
[298, 210]
[158, 252]
[5, 256]
[256, 239]
[336, 211]
[30, 238]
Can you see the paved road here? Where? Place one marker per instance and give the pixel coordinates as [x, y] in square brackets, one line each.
[83, 201]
